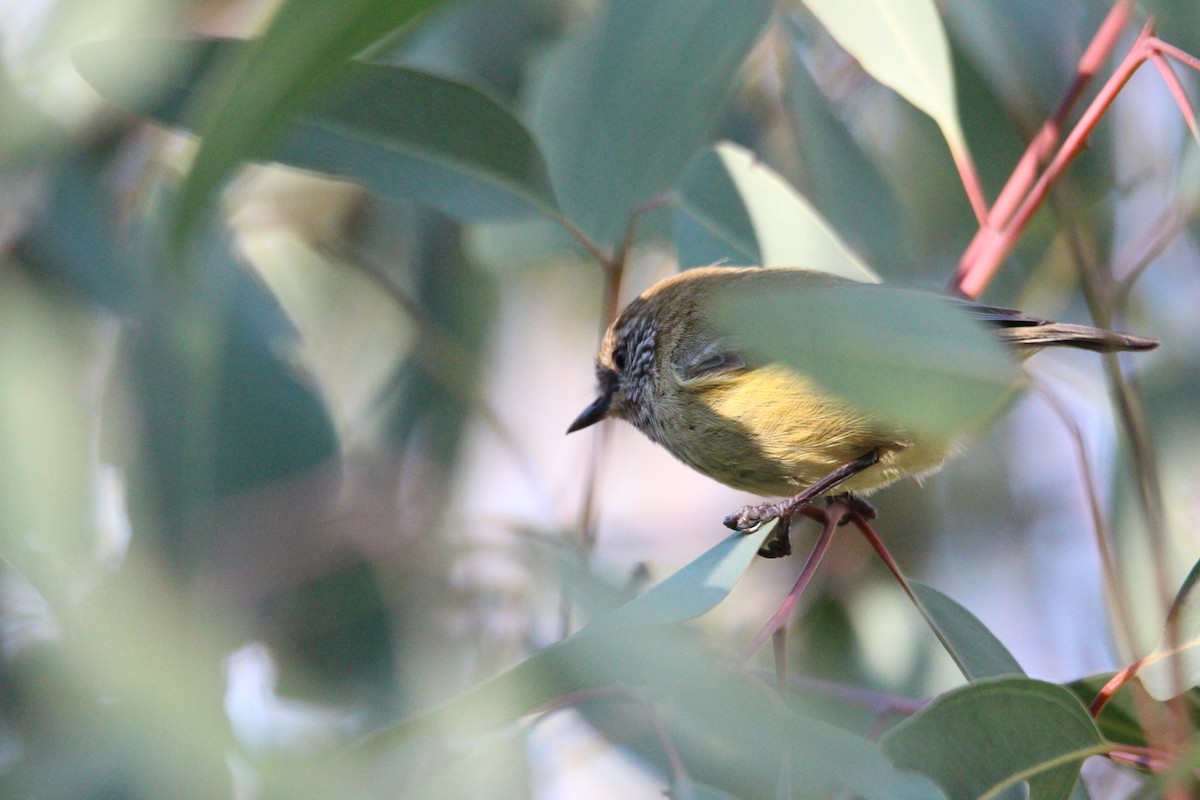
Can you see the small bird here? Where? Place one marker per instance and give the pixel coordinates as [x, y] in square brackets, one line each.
[668, 367]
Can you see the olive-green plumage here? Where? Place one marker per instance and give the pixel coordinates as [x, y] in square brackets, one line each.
[666, 367]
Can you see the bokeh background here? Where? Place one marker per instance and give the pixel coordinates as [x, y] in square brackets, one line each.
[318, 481]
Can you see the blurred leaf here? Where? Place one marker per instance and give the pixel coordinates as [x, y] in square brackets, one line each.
[1118, 722]
[696, 588]
[840, 179]
[631, 647]
[762, 219]
[709, 707]
[904, 47]
[302, 56]
[690, 790]
[910, 357]
[978, 738]
[402, 133]
[978, 653]
[627, 98]
[1168, 663]
[1027, 49]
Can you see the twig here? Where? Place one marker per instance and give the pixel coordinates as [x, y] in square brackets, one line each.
[833, 517]
[1042, 145]
[1123, 620]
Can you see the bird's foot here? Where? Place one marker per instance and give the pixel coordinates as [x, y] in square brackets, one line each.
[780, 542]
[750, 518]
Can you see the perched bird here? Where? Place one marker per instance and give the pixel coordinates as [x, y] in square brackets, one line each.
[669, 366]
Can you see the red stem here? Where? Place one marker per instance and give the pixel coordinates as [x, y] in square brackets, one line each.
[833, 516]
[989, 255]
[1176, 88]
[1042, 144]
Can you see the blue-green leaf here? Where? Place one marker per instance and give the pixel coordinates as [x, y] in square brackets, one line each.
[980, 739]
[976, 650]
[301, 57]
[753, 211]
[403, 133]
[914, 359]
[627, 98]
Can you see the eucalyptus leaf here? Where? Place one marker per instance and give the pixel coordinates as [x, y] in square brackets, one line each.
[903, 46]
[403, 133]
[744, 203]
[705, 704]
[977, 740]
[626, 99]
[976, 650]
[913, 358]
[696, 588]
[256, 95]
[839, 177]
[1177, 656]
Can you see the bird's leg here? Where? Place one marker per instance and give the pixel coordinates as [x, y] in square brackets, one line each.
[750, 517]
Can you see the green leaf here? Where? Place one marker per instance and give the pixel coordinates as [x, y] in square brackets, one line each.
[978, 653]
[403, 133]
[1118, 722]
[839, 177]
[706, 706]
[914, 359]
[903, 46]
[696, 588]
[976, 740]
[301, 57]
[1169, 664]
[627, 98]
[763, 220]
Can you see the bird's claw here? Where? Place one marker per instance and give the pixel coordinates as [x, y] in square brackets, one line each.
[750, 518]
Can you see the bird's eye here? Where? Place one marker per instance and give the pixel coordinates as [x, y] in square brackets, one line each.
[619, 358]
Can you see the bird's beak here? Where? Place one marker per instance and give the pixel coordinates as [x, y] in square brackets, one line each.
[597, 411]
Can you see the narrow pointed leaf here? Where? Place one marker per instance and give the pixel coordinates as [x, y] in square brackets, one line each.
[976, 650]
[627, 98]
[1174, 666]
[403, 133]
[300, 58]
[903, 46]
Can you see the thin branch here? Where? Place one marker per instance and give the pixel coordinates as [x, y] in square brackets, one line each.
[833, 517]
[1042, 145]
[992, 250]
[1179, 55]
[1166, 228]
[1122, 617]
[970, 181]
[1176, 88]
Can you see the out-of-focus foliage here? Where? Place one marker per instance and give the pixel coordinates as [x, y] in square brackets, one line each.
[290, 329]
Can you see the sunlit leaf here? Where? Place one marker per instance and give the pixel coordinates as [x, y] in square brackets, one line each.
[1177, 656]
[751, 209]
[627, 98]
[913, 358]
[976, 650]
[902, 45]
[975, 740]
[402, 133]
[301, 57]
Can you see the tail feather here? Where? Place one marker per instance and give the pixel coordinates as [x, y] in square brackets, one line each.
[1029, 334]
[1059, 334]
